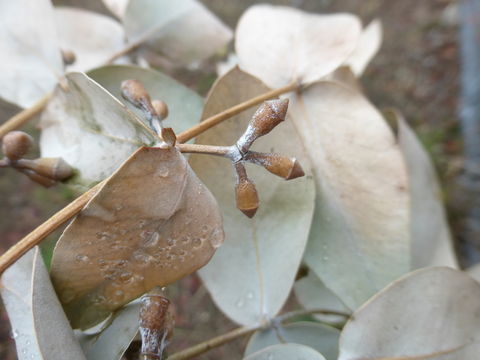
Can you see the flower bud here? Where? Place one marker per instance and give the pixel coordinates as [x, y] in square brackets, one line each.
[54, 168]
[39, 179]
[268, 115]
[134, 92]
[246, 194]
[155, 323]
[16, 144]
[285, 167]
[68, 57]
[161, 108]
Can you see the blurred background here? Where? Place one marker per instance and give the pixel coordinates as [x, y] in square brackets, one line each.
[416, 71]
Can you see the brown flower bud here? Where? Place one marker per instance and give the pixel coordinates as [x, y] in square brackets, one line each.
[16, 144]
[68, 57]
[54, 168]
[134, 92]
[42, 180]
[285, 167]
[154, 326]
[161, 108]
[246, 194]
[268, 115]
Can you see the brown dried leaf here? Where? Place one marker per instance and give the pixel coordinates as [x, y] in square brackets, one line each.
[152, 223]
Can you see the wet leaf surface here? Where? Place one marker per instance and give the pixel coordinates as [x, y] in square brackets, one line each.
[152, 223]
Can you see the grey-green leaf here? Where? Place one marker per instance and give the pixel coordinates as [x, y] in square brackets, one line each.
[112, 342]
[252, 274]
[360, 240]
[286, 352]
[29, 52]
[184, 31]
[184, 105]
[90, 129]
[432, 313]
[320, 337]
[311, 293]
[431, 239]
[39, 325]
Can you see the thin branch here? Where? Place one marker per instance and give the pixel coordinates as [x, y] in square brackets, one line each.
[234, 110]
[205, 149]
[214, 342]
[23, 116]
[244, 331]
[132, 46]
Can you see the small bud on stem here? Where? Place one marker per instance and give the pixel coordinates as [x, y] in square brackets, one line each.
[268, 115]
[68, 57]
[134, 92]
[161, 108]
[16, 144]
[155, 325]
[285, 167]
[245, 192]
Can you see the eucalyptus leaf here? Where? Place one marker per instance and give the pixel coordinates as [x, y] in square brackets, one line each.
[184, 105]
[320, 337]
[279, 44]
[39, 325]
[112, 341]
[29, 54]
[152, 223]
[286, 352]
[432, 313]
[93, 37]
[367, 47]
[359, 241]
[431, 239]
[117, 7]
[184, 31]
[90, 129]
[243, 276]
[312, 294]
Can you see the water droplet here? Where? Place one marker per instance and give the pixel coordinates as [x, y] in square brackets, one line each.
[171, 242]
[249, 295]
[216, 238]
[325, 258]
[182, 252]
[205, 228]
[197, 242]
[119, 207]
[125, 277]
[141, 257]
[103, 235]
[150, 238]
[82, 258]
[162, 171]
[240, 303]
[142, 223]
[14, 334]
[163, 288]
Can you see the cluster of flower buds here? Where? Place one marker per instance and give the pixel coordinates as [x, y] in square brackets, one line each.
[155, 111]
[156, 324]
[45, 171]
[266, 118]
